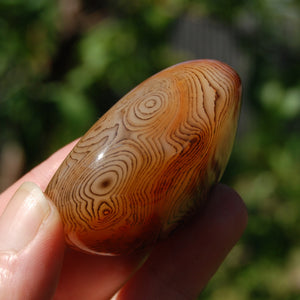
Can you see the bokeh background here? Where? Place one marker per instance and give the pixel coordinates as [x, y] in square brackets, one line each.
[64, 63]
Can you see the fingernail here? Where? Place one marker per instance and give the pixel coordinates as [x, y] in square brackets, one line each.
[22, 217]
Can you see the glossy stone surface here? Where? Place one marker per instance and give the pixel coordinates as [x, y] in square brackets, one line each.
[150, 161]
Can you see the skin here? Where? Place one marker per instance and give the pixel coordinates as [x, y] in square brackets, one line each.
[36, 264]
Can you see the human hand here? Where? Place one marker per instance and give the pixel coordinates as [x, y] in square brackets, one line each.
[34, 263]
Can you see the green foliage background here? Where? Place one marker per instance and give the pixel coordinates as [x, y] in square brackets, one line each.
[62, 67]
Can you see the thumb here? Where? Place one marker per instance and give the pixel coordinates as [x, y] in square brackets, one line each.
[31, 246]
